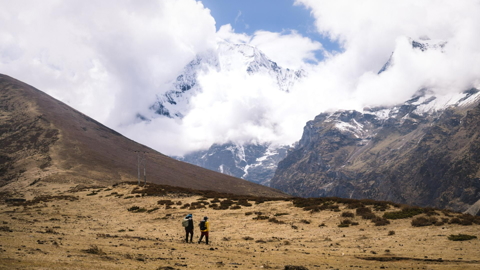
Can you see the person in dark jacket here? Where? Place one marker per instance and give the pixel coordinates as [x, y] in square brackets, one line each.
[189, 228]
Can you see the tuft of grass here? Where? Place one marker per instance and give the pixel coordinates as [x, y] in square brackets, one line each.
[461, 237]
[136, 209]
[152, 210]
[94, 249]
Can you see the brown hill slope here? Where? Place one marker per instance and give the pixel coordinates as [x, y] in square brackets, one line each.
[44, 140]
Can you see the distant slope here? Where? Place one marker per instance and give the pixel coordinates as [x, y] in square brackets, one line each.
[42, 139]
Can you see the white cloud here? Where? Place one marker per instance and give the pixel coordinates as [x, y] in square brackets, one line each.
[110, 58]
[369, 31]
[295, 50]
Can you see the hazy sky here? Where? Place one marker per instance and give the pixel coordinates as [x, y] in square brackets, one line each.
[110, 59]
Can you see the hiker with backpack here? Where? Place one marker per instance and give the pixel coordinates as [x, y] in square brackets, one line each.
[204, 229]
[187, 223]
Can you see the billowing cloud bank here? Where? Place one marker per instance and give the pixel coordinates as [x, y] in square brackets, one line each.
[110, 59]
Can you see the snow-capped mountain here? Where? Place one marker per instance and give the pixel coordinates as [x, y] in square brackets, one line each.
[254, 162]
[227, 57]
[251, 161]
[423, 44]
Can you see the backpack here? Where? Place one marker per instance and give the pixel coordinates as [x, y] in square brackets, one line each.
[202, 225]
[185, 222]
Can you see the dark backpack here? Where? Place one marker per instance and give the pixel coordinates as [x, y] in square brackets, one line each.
[202, 225]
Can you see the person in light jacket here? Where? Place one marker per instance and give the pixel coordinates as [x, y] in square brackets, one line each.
[204, 229]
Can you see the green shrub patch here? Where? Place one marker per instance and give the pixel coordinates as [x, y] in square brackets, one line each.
[461, 237]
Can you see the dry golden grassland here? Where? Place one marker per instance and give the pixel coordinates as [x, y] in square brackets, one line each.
[126, 227]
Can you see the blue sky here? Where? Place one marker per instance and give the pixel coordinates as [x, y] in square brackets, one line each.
[248, 16]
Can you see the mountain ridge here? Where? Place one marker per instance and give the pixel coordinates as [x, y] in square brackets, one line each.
[422, 152]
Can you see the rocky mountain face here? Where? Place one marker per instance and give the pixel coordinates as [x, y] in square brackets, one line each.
[424, 152]
[251, 161]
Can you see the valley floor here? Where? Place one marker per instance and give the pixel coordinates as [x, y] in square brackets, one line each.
[113, 228]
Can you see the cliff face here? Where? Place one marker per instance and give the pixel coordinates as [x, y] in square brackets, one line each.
[424, 152]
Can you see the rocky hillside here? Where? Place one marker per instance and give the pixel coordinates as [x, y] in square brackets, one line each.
[44, 140]
[424, 152]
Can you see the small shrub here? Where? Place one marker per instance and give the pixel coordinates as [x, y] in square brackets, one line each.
[235, 207]
[370, 216]
[260, 217]
[248, 213]
[346, 221]
[455, 220]
[343, 225]
[94, 250]
[5, 229]
[391, 233]
[133, 208]
[363, 211]
[244, 202]
[355, 205]
[281, 214]
[380, 221]
[274, 220]
[247, 238]
[348, 215]
[461, 237]
[423, 221]
[165, 202]
[152, 210]
[304, 221]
